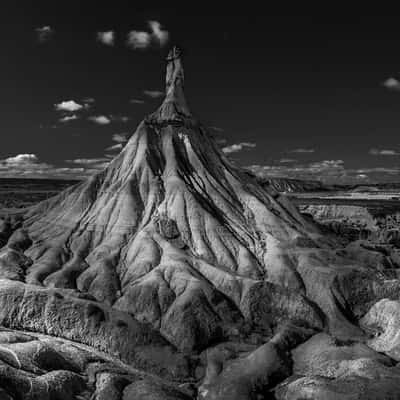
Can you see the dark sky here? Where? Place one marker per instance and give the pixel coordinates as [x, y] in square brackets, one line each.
[279, 83]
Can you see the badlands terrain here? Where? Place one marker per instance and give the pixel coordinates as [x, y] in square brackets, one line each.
[174, 274]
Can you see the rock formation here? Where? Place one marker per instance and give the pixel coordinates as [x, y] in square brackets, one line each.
[168, 252]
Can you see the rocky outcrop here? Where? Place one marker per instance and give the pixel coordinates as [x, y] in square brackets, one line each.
[288, 185]
[383, 321]
[64, 315]
[234, 374]
[325, 368]
[379, 225]
[39, 367]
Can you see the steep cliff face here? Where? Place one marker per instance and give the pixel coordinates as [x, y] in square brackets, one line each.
[173, 240]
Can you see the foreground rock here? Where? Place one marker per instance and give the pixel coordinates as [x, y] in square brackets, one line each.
[48, 311]
[325, 368]
[383, 321]
[234, 376]
[38, 367]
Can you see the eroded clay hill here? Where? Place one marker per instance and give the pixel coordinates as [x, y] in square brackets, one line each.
[180, 264]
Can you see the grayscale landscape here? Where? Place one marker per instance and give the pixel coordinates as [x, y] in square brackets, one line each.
[168, 270]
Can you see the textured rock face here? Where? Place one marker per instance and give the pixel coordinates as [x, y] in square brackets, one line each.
[359, 222]
[324, 368]
[383, 319]
[171, 253]
[38, 367]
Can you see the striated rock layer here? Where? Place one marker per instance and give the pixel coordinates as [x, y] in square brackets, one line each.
[172, 250]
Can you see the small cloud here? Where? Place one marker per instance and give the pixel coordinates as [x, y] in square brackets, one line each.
[287, 160]
[114, 147]
[44, 33]
[68, 118]
[301, 150]
[158, 33]
[88, 100]
[216, 129]
[234, 148]
[100, 119]
[90, 166]
[120, 137]
[138, 40]
[154, 94]
[69, 105]
[119, 118]
[327, 164]
[107, 38]
[362, 176]
[22, 159]
[87, 161]
[136, 101]
[392, 84]
[221, 141]
[377, 152]
[157, 36]
[29, 166]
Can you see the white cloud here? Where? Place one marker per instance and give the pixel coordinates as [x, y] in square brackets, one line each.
[107, 38]
[143, 40]
[44, 33]
[234, 148]
[136, 101]
[392, 84]
[119, 118]
[69, 105]
[21, 159]
[383, 152]
[327, 164]
[29, 166]
[221, 141]
[301, 150]
[23, 166]
[154, 94]
[117, 146]
[88, 100]
[100, 119]
[87, 161]
[287, 160]
[216, 129]
[120, 137]
[138, 40]
[158, 33]
[68, 118]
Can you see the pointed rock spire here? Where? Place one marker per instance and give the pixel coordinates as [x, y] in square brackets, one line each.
[174, 106]
[175, 75]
